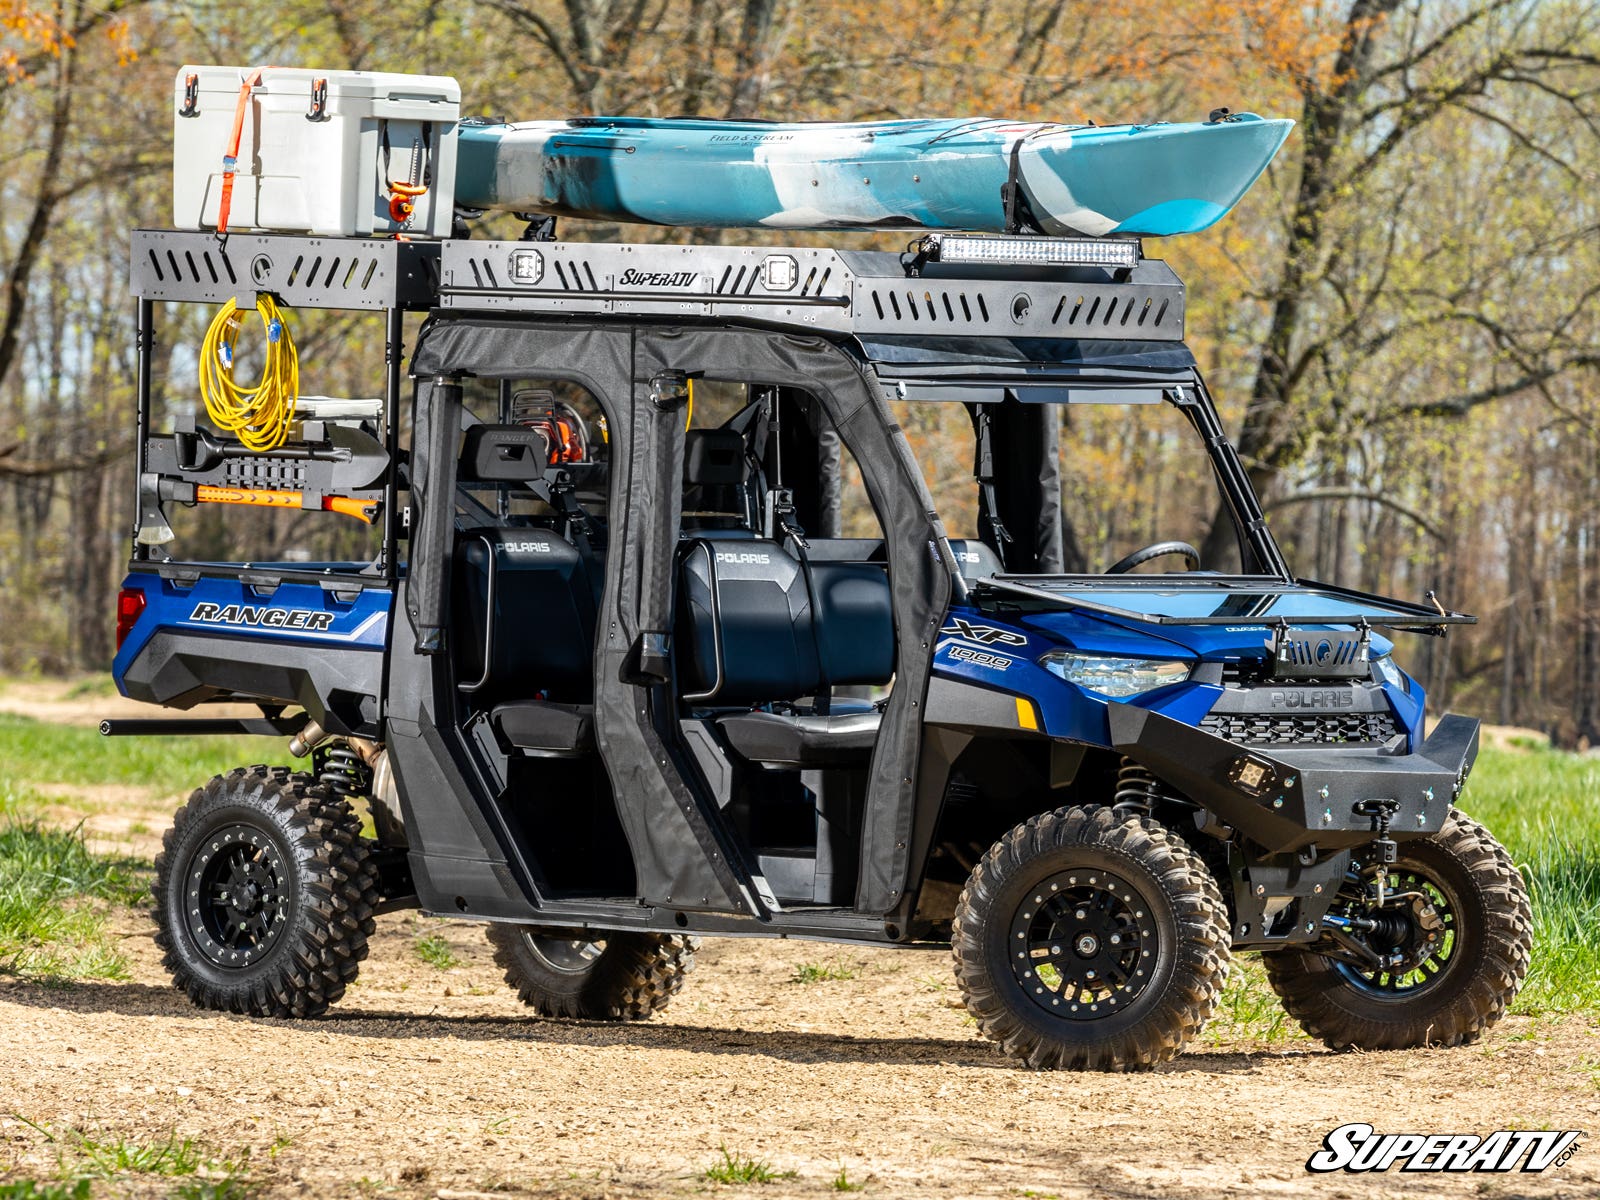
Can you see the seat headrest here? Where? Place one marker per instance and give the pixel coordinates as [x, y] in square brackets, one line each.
[975, 558]
[714, 458]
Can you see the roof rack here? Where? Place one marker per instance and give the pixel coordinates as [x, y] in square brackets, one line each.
[837, 291]
[303, 272]
[866, 293]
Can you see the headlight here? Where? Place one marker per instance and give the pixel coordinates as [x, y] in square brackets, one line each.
[1387, 672]
[1114, 677]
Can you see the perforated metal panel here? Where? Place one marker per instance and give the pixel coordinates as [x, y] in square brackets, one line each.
[845, 292]
[304, 272]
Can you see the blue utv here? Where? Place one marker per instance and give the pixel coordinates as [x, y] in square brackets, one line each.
[663, 636]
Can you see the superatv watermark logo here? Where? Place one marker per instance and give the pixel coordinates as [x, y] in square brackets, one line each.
[260, 616]
[659, 279]
[1358, 1147]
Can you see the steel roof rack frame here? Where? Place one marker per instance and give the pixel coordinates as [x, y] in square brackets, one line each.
[353, 274]
[865, 293]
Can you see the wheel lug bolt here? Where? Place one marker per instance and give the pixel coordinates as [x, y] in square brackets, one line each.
[1080, 914]
[1116, 940]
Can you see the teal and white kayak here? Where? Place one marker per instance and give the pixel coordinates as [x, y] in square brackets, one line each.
[1143, 180]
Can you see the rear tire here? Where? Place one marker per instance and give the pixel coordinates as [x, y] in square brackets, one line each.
[1478, 971]
[603, 977]
[1087, 941]
[264, 895]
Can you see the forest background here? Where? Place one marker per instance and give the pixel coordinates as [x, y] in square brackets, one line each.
[1401, 321]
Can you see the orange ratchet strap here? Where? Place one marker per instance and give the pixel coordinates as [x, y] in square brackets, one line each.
[230, 154]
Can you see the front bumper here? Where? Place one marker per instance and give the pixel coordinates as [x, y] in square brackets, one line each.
[1287, 799]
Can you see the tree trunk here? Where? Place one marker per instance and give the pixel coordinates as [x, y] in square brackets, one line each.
[1270, 439]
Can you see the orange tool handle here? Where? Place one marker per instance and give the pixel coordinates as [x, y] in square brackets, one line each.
[361, 510]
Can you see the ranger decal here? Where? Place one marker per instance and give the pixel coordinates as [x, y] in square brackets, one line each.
[308, 619]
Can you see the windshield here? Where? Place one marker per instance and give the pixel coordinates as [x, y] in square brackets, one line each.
[1228, 601]
[1073, 478]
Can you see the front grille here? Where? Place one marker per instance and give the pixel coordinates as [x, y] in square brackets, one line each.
[1319, 729]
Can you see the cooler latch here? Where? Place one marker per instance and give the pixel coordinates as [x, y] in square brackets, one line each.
[191, 97]
[319, 101]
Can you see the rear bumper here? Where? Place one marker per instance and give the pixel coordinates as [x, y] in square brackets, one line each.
[1287, 799]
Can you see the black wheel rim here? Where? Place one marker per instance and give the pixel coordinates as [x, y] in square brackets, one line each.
[568, 955]
[1421, 923]
[1084, 944]
[238, 896]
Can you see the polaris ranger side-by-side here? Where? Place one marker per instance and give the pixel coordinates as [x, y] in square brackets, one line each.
[616, 680]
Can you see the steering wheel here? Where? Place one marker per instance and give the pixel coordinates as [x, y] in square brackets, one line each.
[1157, 550]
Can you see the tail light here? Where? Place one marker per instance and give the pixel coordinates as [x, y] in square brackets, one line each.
[130, 605]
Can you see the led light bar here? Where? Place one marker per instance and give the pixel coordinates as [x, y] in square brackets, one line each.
[1031, 251]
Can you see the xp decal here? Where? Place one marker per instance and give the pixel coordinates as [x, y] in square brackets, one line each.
[988, 635]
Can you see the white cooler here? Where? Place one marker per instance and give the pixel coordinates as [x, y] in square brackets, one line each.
[319, 151]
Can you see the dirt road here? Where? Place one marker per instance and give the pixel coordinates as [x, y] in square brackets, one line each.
[429, 1082]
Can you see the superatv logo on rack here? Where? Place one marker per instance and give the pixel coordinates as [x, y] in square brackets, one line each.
[252, 615]
[1357, 1147]
[659, 279]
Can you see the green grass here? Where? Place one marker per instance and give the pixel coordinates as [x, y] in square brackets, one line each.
[53, 891]
[1544, 807]
[39, 753]
[821, 973]
[843, 1183]
[94, 685]
[1249, 1009]
[435, 951]
[32, 1189]
[53, 896]
[83, 1156]
[737, 1168]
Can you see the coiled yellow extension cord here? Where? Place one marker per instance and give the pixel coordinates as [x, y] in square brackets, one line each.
[258, 416]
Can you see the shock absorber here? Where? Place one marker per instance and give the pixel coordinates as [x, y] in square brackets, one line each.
[342, 771]
[1137, 791]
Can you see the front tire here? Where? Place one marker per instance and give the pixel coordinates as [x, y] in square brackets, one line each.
[1088, 941]
[1451, 988]
[602, 977]
[264, 895]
